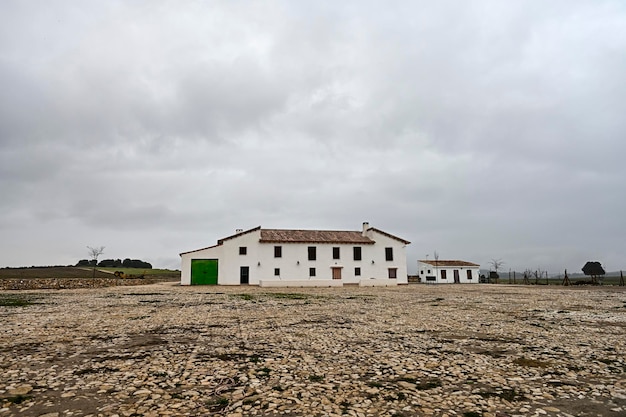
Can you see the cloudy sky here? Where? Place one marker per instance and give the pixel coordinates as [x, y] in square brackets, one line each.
[481, 130]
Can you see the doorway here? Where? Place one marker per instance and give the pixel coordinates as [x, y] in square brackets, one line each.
[336, 272]
[244, 275]
[204, 271]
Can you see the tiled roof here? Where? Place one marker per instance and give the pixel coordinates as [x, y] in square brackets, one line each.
[308, 236]
[313, 236]
[448, 263]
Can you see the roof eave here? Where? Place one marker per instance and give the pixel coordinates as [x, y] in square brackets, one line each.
[406, 242]
[197, 250]
[222, 240]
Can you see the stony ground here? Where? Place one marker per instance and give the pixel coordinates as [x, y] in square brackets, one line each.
[457, 350]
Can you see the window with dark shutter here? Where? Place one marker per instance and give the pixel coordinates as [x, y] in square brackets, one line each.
[312, 253]
[278, 251]
[389, 254]
[335, 253]
[243, 250]
[357, 253]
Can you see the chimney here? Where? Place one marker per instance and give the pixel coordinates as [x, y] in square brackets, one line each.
[366, 226]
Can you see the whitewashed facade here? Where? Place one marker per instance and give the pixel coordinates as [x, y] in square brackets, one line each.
[448, 272]
[276, 257]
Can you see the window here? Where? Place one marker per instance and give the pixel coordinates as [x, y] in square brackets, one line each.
[278, 251]
[277, 271]
[357, 253]
[393, 273]
[429, 271]
[469, 274]
[243, 250]
[443, 274]
[389, 254]
[422, 272]
[357, 272]
[335, 253]
[312, 253]
[311, 272]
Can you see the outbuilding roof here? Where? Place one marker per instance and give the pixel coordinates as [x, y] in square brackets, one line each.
[451, 263]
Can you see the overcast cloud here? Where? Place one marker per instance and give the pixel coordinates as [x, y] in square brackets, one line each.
[481, 130]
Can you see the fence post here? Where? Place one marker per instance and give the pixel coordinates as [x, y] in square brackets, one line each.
[566, 279]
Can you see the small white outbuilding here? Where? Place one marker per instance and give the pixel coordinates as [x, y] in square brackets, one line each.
[448, 272]
[280, 257]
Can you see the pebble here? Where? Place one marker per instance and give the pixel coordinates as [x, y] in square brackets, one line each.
[165, 350]
[20, 390]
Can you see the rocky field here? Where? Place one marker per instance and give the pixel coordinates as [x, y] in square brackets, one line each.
[456, 350]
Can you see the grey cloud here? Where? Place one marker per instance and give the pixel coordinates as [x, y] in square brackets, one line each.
[481, 130]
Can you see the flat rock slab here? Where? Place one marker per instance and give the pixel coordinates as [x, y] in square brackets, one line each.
[166, 350]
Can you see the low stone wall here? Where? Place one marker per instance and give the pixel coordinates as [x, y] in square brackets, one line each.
[378, 283]
[302, 283]
[69, 283]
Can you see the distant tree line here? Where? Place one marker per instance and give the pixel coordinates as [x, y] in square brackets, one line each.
[116, 263]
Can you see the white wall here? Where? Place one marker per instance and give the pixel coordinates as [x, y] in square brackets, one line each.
[214, 252]
[294, 264]
[423, 269]
[230, 261]
[380, 267]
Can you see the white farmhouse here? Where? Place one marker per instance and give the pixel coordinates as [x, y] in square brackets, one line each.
[448, 272]
[275, 257]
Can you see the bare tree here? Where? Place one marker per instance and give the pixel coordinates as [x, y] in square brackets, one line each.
[495, 264]
[436, 256]
[94, 253]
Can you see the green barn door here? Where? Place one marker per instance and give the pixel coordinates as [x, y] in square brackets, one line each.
[204, 272]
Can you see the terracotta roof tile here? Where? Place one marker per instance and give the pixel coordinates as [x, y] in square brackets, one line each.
[313, 236]
[308, 236]
[451, 263]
